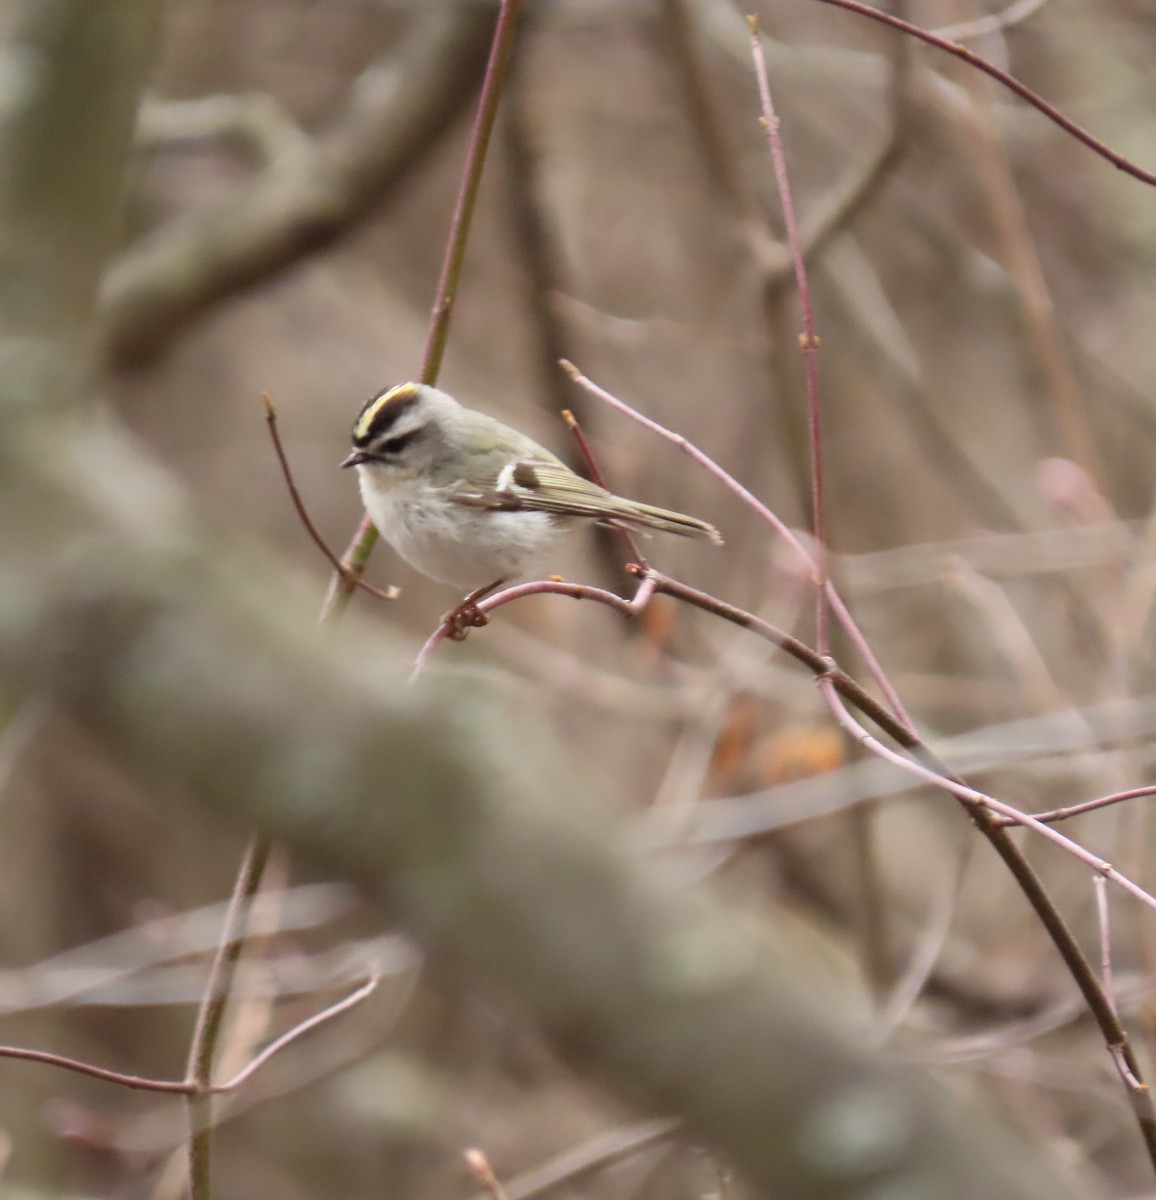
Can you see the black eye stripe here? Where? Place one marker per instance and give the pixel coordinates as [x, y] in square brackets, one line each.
[395, 445]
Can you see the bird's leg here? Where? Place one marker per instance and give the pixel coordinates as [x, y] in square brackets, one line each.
[466, 616]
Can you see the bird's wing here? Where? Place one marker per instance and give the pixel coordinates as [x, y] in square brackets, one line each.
[541, 485]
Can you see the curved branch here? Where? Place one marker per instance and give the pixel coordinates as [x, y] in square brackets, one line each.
[1008, 81]
[307, 196]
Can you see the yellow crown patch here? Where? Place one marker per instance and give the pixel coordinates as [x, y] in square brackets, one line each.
[382, 410]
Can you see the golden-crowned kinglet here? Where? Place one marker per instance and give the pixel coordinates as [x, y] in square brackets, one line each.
[469, 501]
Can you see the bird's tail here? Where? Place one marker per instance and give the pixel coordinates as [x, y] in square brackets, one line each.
[646, 516]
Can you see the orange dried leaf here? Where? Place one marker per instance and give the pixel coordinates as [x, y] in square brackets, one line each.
[798, 752]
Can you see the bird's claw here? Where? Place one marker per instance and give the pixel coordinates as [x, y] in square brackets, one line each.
[459, 621]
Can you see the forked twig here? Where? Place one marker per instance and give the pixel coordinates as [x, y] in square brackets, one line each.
[834, 683]
[973, 797]
[840, 610]
[189, 1086]
[299, 1030]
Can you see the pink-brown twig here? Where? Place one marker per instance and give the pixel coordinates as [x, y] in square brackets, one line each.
[979, 799]
[541, 587]
[303, 513]
[365, 538]
[596, 475]
[1104, 922]
[299, 1030]
[808, 340]
[695, 454]
[190, 1086]
[1075, 810]
[1002, 77]
[481, 1170]
[840, 610]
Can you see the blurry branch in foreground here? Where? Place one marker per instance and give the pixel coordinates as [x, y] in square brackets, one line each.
[197, 671]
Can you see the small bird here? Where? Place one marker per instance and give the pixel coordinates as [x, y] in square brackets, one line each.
[471, 502]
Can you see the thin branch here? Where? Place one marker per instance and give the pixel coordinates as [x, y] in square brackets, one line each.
[1002, 77]
[344, 581]
[481, 1170]
[211, 1015]
[1105, 928]
[840, 207]
[191, 1087]
[179, 1087]
[353, 564]
[831, 214]
[303, 513]
[573, 1166]
[832, 680]
[804, 555]
[981, 799]
[447, 289]
[579, 435]
[540, 587]
[694, 453]
[298, 1031]
[1075, 810]
[872, 663]
[808, 341]
[361, 546]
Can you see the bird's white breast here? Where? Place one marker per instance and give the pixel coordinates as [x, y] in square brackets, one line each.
[450, 542]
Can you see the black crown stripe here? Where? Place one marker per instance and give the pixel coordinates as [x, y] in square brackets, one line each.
[380, 412]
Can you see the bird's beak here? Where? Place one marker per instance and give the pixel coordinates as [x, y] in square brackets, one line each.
[354, 459]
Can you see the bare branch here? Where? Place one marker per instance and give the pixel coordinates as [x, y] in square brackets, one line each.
[1008, 81]
[499, 49]
[307, 520]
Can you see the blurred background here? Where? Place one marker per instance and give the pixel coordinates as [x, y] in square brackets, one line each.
[982, 292]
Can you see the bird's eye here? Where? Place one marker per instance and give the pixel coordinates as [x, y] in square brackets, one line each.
[395, 445]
